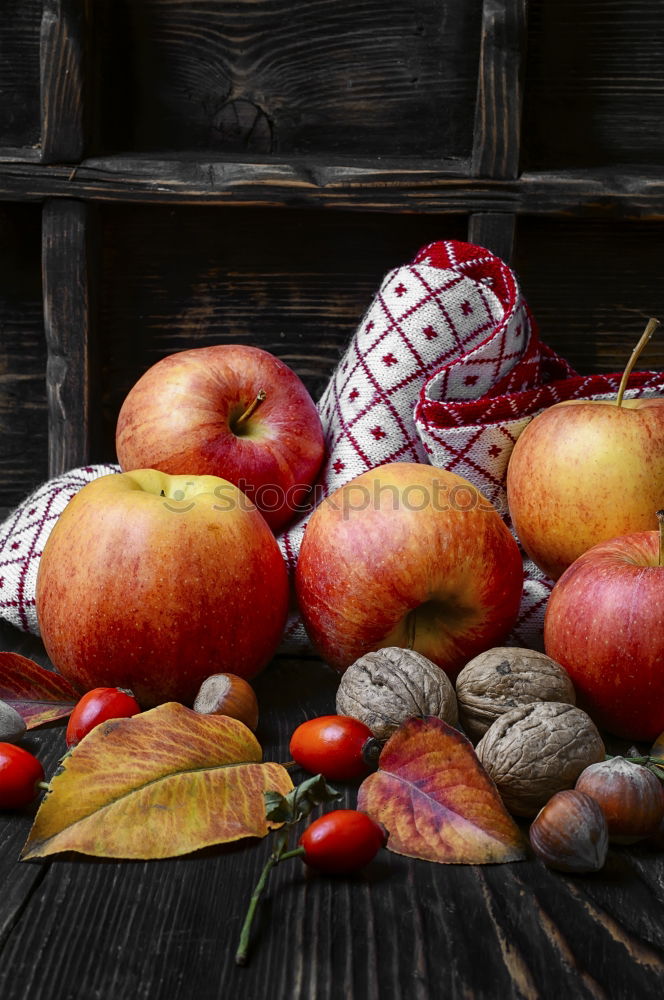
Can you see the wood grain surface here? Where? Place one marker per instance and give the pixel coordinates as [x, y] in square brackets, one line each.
[75, 928]
[362, 186]
[594, 84]
[23, 411]
[19, 73]
[64, 69]
[68, 239]
[279, 77]
[591, 286]
[497, 132]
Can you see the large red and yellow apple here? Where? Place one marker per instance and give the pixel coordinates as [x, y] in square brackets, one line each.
[586, 471]
[604, 623]
[407, 555]
[232, 411]
[583, 472]
[154, 582]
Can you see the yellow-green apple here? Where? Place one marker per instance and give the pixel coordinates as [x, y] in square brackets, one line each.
[154, 582]
[604, 623]
[585, 471]
[407, 555]
[232, 411]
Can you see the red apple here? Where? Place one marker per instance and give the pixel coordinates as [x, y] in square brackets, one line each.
[408, 555]
[586, 471]
[232, 411]
[605, 624]
[153, 582]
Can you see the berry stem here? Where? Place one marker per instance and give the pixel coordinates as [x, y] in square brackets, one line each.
[634, 357]
[251, 408]
[278, 855]
[297, 852]
[243, 947]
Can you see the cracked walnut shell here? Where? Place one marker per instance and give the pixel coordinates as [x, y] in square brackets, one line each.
[386, 687]
[504, 678]
[534, 751]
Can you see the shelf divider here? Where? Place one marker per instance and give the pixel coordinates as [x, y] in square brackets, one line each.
[498, 108]
[64, 64]
[69, 272]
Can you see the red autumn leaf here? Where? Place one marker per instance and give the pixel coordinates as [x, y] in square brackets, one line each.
[436, 800]
[38, 695]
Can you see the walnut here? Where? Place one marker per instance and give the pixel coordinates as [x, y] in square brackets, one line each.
[536, 750]
[504, 678]
[386, 687]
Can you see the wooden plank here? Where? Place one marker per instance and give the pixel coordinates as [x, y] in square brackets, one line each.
[493, 230]
[67, 246]
[19, 73]
[497, 135]
[401, 928]
[335, 76]
[23, 409]
[63, 68]
[594, 84]
[603, 192]
[592, 284]
[20, 154]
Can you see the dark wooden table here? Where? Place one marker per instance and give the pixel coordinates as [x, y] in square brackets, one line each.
[78, 928]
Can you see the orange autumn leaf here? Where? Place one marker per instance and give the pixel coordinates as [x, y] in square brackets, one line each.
[436, 801]
[38, 695]
[157, 785]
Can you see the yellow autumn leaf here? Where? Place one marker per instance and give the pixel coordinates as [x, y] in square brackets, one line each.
[157, 785]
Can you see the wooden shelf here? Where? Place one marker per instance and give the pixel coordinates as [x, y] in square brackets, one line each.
[381, 187]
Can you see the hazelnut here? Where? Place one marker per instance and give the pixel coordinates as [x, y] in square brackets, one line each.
[12, 726]
[228, 694]
[570, 833]
[630, 797]
[384, 688]
[534, 751]
[504, 678]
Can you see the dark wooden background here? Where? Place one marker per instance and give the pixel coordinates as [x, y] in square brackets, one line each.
[182, 172]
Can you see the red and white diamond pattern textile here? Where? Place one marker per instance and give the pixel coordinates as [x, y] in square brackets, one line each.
[22, 539]
[446, 367]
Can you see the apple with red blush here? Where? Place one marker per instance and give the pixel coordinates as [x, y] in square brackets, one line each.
[604, 624]
[408, 555]
[153, 582]
[228, 410]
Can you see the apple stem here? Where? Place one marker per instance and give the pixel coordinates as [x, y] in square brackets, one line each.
[251, 408]
[634, 357]
[660, 518]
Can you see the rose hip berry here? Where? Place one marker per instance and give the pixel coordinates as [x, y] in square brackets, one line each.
[19, 774]
[98, 705]
[336, 746]
[341, 841]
